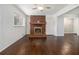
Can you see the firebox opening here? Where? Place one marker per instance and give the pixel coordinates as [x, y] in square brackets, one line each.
[37, 30]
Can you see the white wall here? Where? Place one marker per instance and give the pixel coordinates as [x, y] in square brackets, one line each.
[50, 25]
[28, 25]
[76, 25]
[68, 25]
[71, 24]
[0, 30]
[60, 26]
[10, 34]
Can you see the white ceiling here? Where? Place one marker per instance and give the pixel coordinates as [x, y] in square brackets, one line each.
[73, 12]
[27, 8]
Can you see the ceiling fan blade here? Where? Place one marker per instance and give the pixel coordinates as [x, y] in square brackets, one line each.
[48, 7]
[34, 8]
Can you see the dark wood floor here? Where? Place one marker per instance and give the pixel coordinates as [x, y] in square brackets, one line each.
[66, 45]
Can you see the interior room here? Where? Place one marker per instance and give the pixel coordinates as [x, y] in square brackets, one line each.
[39, 29]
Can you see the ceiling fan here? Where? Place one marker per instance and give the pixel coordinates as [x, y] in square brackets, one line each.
[41, 7]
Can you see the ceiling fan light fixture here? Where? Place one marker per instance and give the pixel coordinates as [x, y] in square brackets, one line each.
[40, 8]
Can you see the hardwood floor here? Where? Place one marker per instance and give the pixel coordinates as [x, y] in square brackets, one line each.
[66, 45]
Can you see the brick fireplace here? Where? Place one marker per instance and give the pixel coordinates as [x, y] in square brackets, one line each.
[37, 27]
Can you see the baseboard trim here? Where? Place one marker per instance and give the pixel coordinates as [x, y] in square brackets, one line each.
[70, 33]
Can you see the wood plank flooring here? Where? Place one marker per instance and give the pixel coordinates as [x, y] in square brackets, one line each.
[67, 45]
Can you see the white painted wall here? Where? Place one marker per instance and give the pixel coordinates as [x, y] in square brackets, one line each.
[1, 30]
[26, 28]
[10, 34]
[28, 25]
[76, 25]
[71, 24]
[56, 25]
[50, 25]
[60, 26]
[0, 26]
[68, 25]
